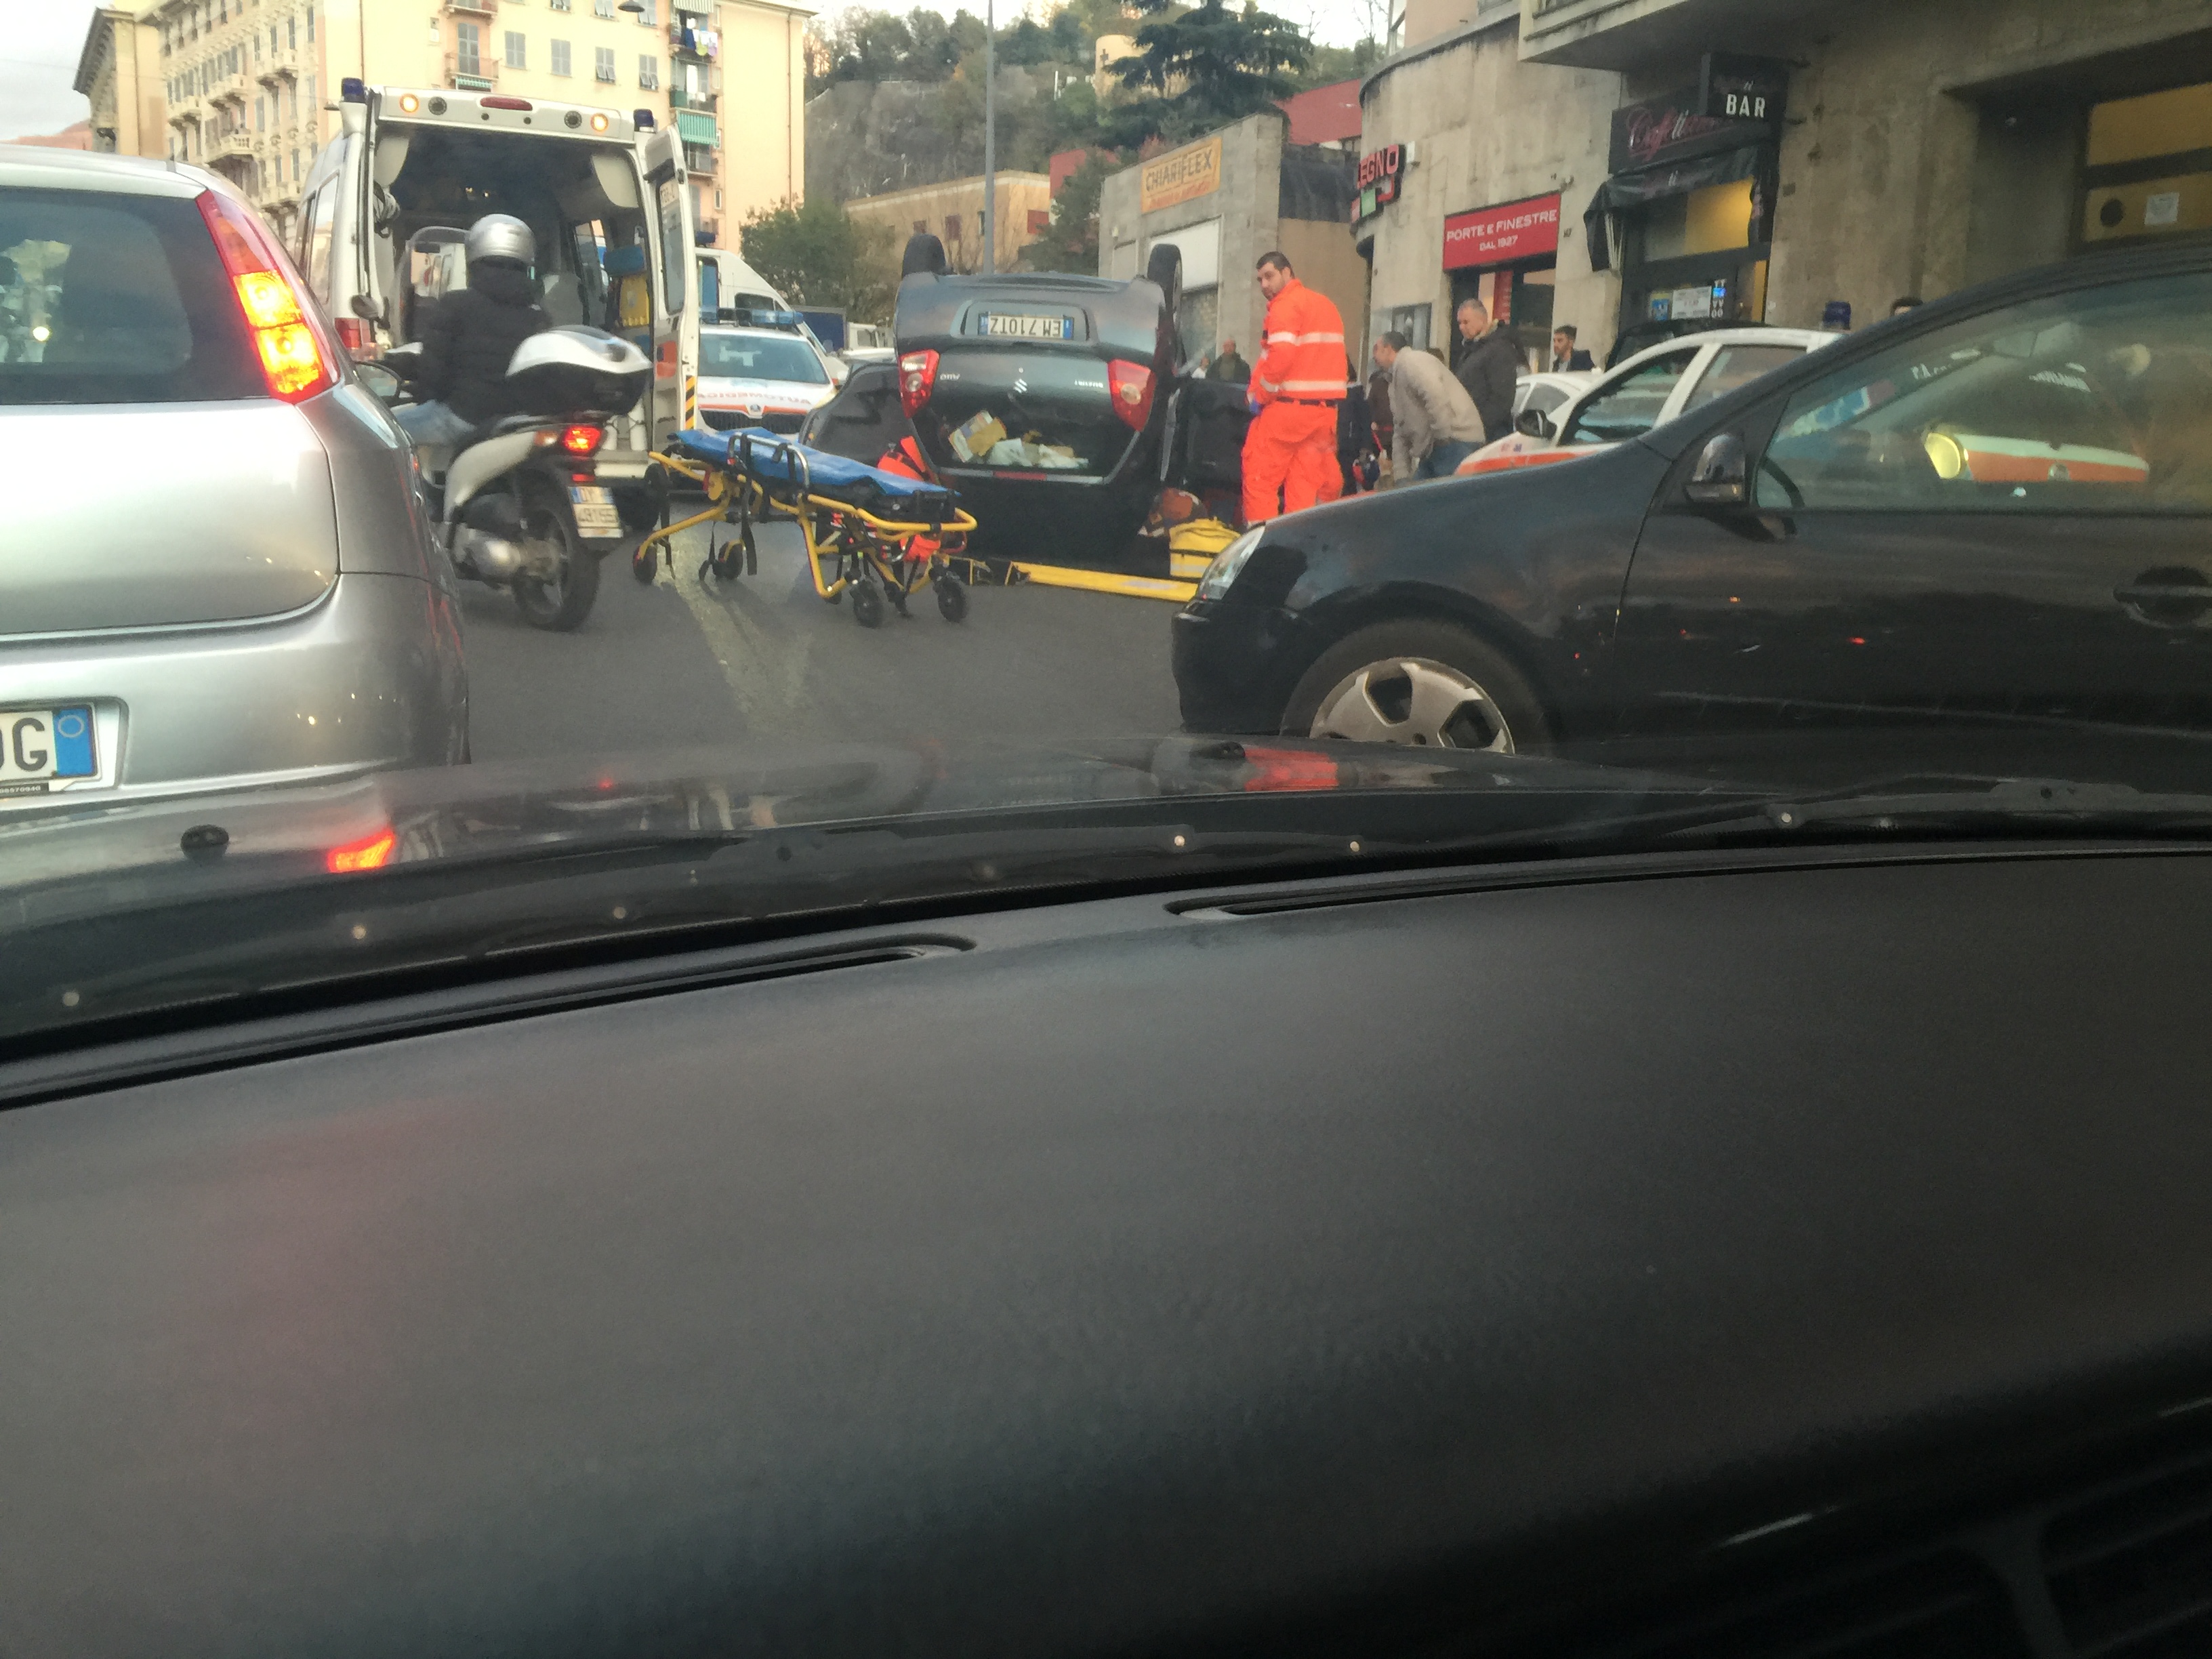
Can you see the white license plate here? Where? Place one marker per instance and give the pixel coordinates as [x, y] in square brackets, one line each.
[39, 745]
[1023, 327]
[596, 512]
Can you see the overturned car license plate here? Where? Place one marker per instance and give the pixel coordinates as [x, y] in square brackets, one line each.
[1023, 326]
[596, 515]
[38, 746]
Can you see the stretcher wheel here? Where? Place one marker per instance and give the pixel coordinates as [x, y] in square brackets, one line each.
[752, 553]
[727, 562]
[868, 602]
[645, 564]
[951, 596]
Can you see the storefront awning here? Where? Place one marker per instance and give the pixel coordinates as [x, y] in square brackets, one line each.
[1634, 189]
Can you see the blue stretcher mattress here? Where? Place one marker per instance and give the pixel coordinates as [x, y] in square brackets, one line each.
[886, 495]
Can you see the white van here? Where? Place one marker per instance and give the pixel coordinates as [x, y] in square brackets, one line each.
[605, 193]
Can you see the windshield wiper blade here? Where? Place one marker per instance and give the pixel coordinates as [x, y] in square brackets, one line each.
[2035, 806]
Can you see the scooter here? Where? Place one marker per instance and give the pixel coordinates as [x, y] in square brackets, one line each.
[517, 506]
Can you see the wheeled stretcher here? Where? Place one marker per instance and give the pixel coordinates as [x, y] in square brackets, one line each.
[875, 534]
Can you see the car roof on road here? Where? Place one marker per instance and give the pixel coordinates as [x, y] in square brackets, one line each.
[1810, 340]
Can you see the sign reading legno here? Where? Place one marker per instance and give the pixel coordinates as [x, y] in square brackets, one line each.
[1180, 176]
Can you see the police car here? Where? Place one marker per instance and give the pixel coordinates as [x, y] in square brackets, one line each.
[758, 368]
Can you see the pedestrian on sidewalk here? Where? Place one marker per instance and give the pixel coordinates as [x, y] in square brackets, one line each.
[1229, 366]
[1378, 412]
[1489, 368]
[1565, 356]
[1290, 449]
[1435, 424]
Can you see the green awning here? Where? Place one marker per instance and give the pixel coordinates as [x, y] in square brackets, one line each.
[693, 128]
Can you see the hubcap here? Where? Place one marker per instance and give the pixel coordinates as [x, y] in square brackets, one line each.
[1414, 702]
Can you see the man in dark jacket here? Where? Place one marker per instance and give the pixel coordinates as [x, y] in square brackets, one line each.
[1230, 367]
[471, 334]
[1565, 354]
[1489, 368]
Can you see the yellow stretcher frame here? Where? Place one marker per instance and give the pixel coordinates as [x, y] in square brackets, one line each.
[736, 496]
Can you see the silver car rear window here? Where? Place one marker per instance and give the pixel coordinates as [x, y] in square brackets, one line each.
[110, 299]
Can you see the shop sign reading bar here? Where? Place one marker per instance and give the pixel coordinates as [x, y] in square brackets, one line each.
[1526, 229]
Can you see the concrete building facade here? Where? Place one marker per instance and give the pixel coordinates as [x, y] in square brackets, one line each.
[953, 212]
[1911, 149]
[246, 87]
[1224, 200]
[112, 72]
[1476, 163]
[1582, 162]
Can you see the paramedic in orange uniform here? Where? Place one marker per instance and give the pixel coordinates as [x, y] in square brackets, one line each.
[1290, 449]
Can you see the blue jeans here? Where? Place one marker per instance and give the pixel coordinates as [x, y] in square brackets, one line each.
[432, 426]
[1443, 460]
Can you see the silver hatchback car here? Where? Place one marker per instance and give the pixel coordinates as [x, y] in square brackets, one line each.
[215, 567]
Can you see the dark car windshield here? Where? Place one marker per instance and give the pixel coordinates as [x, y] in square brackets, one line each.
[760, 357]
[112, 299]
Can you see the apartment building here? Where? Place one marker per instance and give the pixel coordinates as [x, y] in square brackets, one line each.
[247, 87]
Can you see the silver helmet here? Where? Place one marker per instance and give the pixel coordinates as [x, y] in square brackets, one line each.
[502, 236]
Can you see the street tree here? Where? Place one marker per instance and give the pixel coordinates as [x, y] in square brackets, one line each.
[1070, 243]
[1201, 68]
[817, 255]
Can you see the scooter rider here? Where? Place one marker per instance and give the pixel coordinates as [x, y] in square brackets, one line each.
[471, 334]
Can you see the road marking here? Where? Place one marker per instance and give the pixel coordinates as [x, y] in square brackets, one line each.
[766, 678]
[1100, 581]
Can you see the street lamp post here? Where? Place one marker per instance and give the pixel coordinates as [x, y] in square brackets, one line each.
[990, 137]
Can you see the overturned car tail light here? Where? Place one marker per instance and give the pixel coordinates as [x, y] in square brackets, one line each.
[917, 375]
[297, 361]
[1130, 386]
[582, 440]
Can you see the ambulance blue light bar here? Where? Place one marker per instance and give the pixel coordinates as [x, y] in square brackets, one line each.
[747, 317]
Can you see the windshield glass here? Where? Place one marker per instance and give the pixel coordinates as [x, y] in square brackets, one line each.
[616, 471]
[759, 357]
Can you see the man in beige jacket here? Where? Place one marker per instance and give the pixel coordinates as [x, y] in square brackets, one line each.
[1434, 424]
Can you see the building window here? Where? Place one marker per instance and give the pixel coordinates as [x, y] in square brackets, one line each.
[291, 32]
[920, 226]
[559, 57]
[311, 26]
[951, 226]
[649, 17]
[470, 57]
[648, 72]
[603, 8]
[718, 199]
[517, 52]
[560, 5]
[603, 64]
[261, 115]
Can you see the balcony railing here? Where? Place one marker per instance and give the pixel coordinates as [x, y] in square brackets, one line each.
[231, 144]
[481, 76]
[707, 231]
[474, 8]
[679, 99]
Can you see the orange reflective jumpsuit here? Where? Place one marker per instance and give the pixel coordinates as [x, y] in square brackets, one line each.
[905, 458]
[1290, 449]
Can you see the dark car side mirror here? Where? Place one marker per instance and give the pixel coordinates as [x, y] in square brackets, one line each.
[1722, 478]
[1533, 424]
[362, 307]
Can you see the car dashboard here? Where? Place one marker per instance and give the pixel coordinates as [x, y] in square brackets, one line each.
[1748, 1253]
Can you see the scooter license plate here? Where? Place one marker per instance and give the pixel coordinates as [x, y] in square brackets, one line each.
[596, 515]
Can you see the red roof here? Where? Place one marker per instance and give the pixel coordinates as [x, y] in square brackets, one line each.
[1326, 115]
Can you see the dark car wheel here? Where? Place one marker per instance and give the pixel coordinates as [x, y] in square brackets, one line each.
[1419, 683]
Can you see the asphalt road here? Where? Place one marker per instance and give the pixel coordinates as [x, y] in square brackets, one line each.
[680, 665]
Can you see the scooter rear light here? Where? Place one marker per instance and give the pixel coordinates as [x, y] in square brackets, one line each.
[582, 440]
[297, 359]
[917, 376]
[1130, 386]
[369, 853]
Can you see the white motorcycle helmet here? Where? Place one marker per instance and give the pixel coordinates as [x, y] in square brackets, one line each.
[502, 236]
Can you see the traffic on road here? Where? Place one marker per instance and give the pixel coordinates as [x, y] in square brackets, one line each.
[684, 970]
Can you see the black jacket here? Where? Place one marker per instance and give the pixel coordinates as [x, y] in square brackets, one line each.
[1490, 371]
[470, 335]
